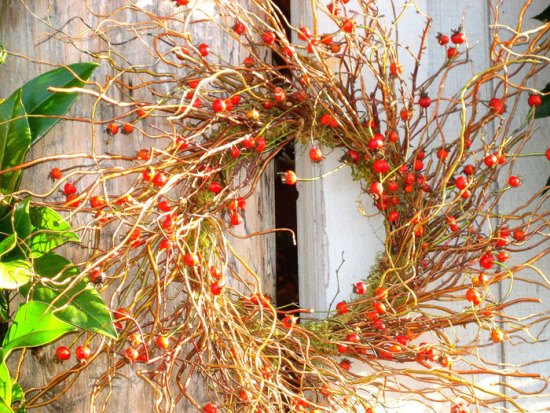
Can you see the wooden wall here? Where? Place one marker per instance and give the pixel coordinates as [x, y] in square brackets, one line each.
[25, 30]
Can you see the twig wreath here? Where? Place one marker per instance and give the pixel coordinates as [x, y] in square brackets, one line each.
[162, 250]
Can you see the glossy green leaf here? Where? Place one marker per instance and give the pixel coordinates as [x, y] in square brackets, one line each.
[50, 231]
[18, 396]
[4, 408]
[34, 325]
[5, 383]
[22, 219]
[15, 140]
[79, 305]
[8, 244]
[543, 110]
[43, 107]
[544, 16]
[14, 273]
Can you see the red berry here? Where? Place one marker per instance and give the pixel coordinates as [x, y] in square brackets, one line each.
[144, 154]
[279, 94]
[442, 154]
[548, 154]
[377, 142]
[216, 288]
[534, 100]
[203, 49]
[131, 354]
[473, 296]
[443, 39]
[149, 174]
[381, 166]
[164, 206]
[514, 181]
[56, 173]
[235, 219]
[381, 293]
[487, 260]
[239, 28]
[348, 25]
[304, 33]
[165, 244]
[235, 152]
[497, 106]
[353, 338]
[191, 260]
[360, 288]
[260, 144]
[396, 69]
[97, 201]
[491, 160]
[269, 37]
[215, 187]
[325, 119]
[393, 216]
[315, 154]
[249, 142]
[69, 189]
[458, 37]
[345, 364]
[469, 169]
[503, 256]
[405, 114]
[289, 321]
[290, 178]
[519, 235]
[219, 105]
[377, 189]
[461, 182]
[127, 128]
[424, 101]
[497, 335]
[160, 179]
[82, 353]
[112, 129]
[342, 307]
[452, 52]
[210, 408]
[162, 342]
[63, 353]
[182, 2]
[333, 9]
[96, 277]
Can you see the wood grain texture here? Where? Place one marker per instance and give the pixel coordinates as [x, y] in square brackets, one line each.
[25, 29]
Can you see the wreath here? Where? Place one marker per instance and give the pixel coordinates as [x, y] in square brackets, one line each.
[184, 304]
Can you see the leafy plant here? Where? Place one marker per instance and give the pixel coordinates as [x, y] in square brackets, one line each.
[29, 234]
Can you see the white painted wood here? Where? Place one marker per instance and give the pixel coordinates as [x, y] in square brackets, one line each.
[329, 224]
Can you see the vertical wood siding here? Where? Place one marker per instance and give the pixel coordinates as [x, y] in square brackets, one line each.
[28, 35]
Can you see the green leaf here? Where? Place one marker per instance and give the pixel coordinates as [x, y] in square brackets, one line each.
[34, 325]
[4, 307]
[543, 110]
[544, 16]
[15, 140]
[79, 305]
[14, 273]
[547, 187]
[3, 55]
[43, 107]
[5, 383]
[4, 408]
[51, 231]
[8, 244]
[17, 221]
[18, 396]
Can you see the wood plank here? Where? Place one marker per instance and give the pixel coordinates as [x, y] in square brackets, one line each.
[22, 33]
